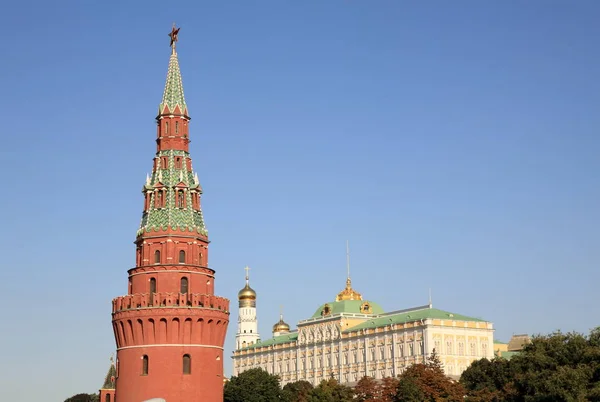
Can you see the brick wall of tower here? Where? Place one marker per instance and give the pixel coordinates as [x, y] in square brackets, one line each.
[157, 328]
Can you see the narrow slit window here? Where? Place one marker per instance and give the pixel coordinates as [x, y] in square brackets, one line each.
[152, 285]
[167, 128]
[184, 285]
[157, 257]
[145, 365]
[176, 127]
[181, 256]
[187, 364]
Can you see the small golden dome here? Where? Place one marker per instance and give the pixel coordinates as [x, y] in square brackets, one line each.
[247, 293]
[281, 326]
[348, 293]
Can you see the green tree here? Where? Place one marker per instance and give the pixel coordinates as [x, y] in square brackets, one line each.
[254, 385]
[555, 367]
[331, 391]
[298, 391]
[83, 398]
[488, 380]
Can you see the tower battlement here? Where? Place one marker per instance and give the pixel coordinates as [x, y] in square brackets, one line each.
[170, 299]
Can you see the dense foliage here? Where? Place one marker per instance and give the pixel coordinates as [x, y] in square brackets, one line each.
[555, 367]
[83, 398]
[420, 382]
[254, 385]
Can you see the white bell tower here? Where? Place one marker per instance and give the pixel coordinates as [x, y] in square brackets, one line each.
[247, 332]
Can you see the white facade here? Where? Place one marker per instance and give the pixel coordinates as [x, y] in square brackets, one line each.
[349, 346]
[247, 332]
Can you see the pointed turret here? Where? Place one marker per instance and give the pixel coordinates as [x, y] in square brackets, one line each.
[172, 192]
[173, 101]
[109, 380]
[107, 392]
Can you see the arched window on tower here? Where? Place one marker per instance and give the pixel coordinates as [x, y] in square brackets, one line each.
[152, 285]
[107, 398]
[200, 259]
[167, 128]
[157, 257]
[181, 256]
[180, 199]
[145, 365]
[187, 364]
[176, 127]
[183, 288]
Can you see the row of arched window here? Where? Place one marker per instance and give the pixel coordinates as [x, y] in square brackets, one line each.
[183, 285]
[181, 257]
[186, 364]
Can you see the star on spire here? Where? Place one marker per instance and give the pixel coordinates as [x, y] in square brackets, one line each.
[174, 35]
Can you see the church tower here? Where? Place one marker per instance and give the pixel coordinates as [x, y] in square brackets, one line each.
[247, 332]
[170, 327]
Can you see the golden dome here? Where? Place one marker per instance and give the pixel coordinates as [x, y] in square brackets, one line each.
[348, 293]
[247, 293]
[281, 326]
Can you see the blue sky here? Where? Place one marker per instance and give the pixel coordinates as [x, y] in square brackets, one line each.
[454, 144]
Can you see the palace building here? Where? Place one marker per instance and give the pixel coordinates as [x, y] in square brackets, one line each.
[350, 337]
[170, 327]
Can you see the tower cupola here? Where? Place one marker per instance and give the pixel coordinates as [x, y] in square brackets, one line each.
[281, 327]
[247, 295]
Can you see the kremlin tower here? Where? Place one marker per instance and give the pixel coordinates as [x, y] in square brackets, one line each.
[170, 327]
[247, 332]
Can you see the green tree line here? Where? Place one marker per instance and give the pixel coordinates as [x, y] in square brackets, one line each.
[552, 368]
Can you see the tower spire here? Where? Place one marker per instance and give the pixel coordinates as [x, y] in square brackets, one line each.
[247, 275]
[348, 293]
[173, 101]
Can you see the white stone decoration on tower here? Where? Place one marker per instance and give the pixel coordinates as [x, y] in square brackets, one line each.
[247, 333]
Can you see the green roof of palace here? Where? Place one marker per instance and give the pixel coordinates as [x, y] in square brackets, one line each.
[173, 94]
[348, 307]
[497, 342]
[276, 340]
[109, 380]
[508, 355]
[409, 316]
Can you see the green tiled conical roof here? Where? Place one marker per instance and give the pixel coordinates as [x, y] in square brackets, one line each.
[109, 380]
[171, 216]
[173, 94]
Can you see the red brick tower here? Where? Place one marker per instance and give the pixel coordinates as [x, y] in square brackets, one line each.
[170, 328]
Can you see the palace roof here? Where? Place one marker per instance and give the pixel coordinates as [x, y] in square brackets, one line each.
[411, 315]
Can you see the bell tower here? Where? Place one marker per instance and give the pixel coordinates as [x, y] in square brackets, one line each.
[170, 327]
[247, 331]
